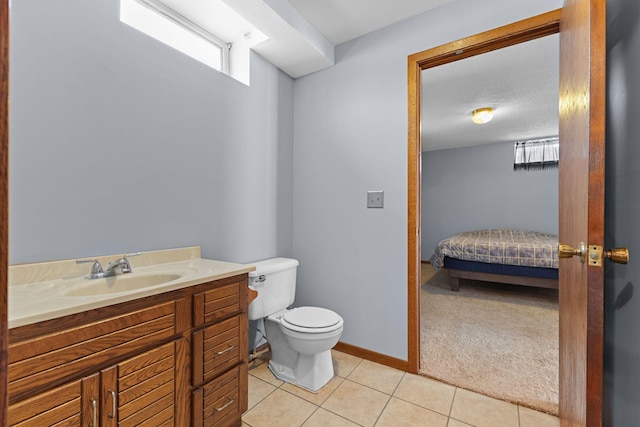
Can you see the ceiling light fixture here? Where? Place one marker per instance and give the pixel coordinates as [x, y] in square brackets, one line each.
[482, 115]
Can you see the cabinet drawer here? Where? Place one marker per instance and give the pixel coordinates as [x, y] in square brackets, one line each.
[225, 299]
[216, 348]
[59, 355]
[55, 406]
[219, 402]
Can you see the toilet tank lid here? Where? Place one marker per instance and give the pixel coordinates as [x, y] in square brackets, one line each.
[272, 265]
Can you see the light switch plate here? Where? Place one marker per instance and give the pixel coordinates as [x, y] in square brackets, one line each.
[375, 199]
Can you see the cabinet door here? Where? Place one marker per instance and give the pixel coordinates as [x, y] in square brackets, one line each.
[73, 404]
[140, 391]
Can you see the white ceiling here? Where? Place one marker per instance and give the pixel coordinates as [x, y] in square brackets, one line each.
[343, 20]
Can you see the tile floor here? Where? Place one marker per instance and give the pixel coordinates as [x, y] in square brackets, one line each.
[365, 393]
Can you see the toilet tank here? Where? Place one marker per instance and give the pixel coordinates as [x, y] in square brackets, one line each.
[275, 281]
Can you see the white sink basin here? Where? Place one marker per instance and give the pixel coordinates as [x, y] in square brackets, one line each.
[122, 283]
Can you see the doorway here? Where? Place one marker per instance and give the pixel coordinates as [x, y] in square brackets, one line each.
[509, 35]
[508, 346]
[530, 29]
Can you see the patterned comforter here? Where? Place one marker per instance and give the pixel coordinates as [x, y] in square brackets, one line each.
[500, 246]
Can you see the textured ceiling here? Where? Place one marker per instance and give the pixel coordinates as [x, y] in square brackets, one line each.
[519, 82]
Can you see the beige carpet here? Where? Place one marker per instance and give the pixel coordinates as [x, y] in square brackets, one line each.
[498, 340]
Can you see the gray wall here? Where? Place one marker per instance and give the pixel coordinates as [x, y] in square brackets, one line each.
[622, 305]
[350, 133]
[465, 189]
[120, 143]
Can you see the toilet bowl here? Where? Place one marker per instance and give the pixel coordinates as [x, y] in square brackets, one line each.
[300, 338]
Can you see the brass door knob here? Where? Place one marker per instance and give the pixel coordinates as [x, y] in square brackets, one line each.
[568, 251]
[618, 255]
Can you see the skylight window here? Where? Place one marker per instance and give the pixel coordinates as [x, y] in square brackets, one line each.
[208, 31]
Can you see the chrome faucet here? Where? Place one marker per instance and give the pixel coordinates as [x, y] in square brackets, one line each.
[115, 268]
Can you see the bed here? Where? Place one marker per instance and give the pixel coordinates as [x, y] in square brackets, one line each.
[505, 255]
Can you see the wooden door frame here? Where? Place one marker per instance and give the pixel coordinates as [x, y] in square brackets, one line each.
[4, 204]
[508, 35]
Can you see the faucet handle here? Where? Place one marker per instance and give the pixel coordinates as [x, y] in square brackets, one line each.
[133, 254]
[125, 259]
[96, 268]
[121, 265]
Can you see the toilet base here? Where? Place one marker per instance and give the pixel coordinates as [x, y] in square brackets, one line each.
[300, 359]
[308, 372]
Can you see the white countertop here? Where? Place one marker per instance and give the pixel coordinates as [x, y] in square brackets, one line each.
[46, 297]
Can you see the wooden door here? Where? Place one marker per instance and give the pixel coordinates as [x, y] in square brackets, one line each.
[581, 217]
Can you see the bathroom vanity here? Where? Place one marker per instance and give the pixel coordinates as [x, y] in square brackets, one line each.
[165, 354]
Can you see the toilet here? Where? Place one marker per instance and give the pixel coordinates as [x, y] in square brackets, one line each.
[300, 338]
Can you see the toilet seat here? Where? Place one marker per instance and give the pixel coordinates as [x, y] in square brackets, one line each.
[313, 320]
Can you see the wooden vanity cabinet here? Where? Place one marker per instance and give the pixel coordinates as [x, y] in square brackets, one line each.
[135, 364]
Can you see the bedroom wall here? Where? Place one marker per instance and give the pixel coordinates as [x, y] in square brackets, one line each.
[350, 136]
[472, 188]
[120, 143]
